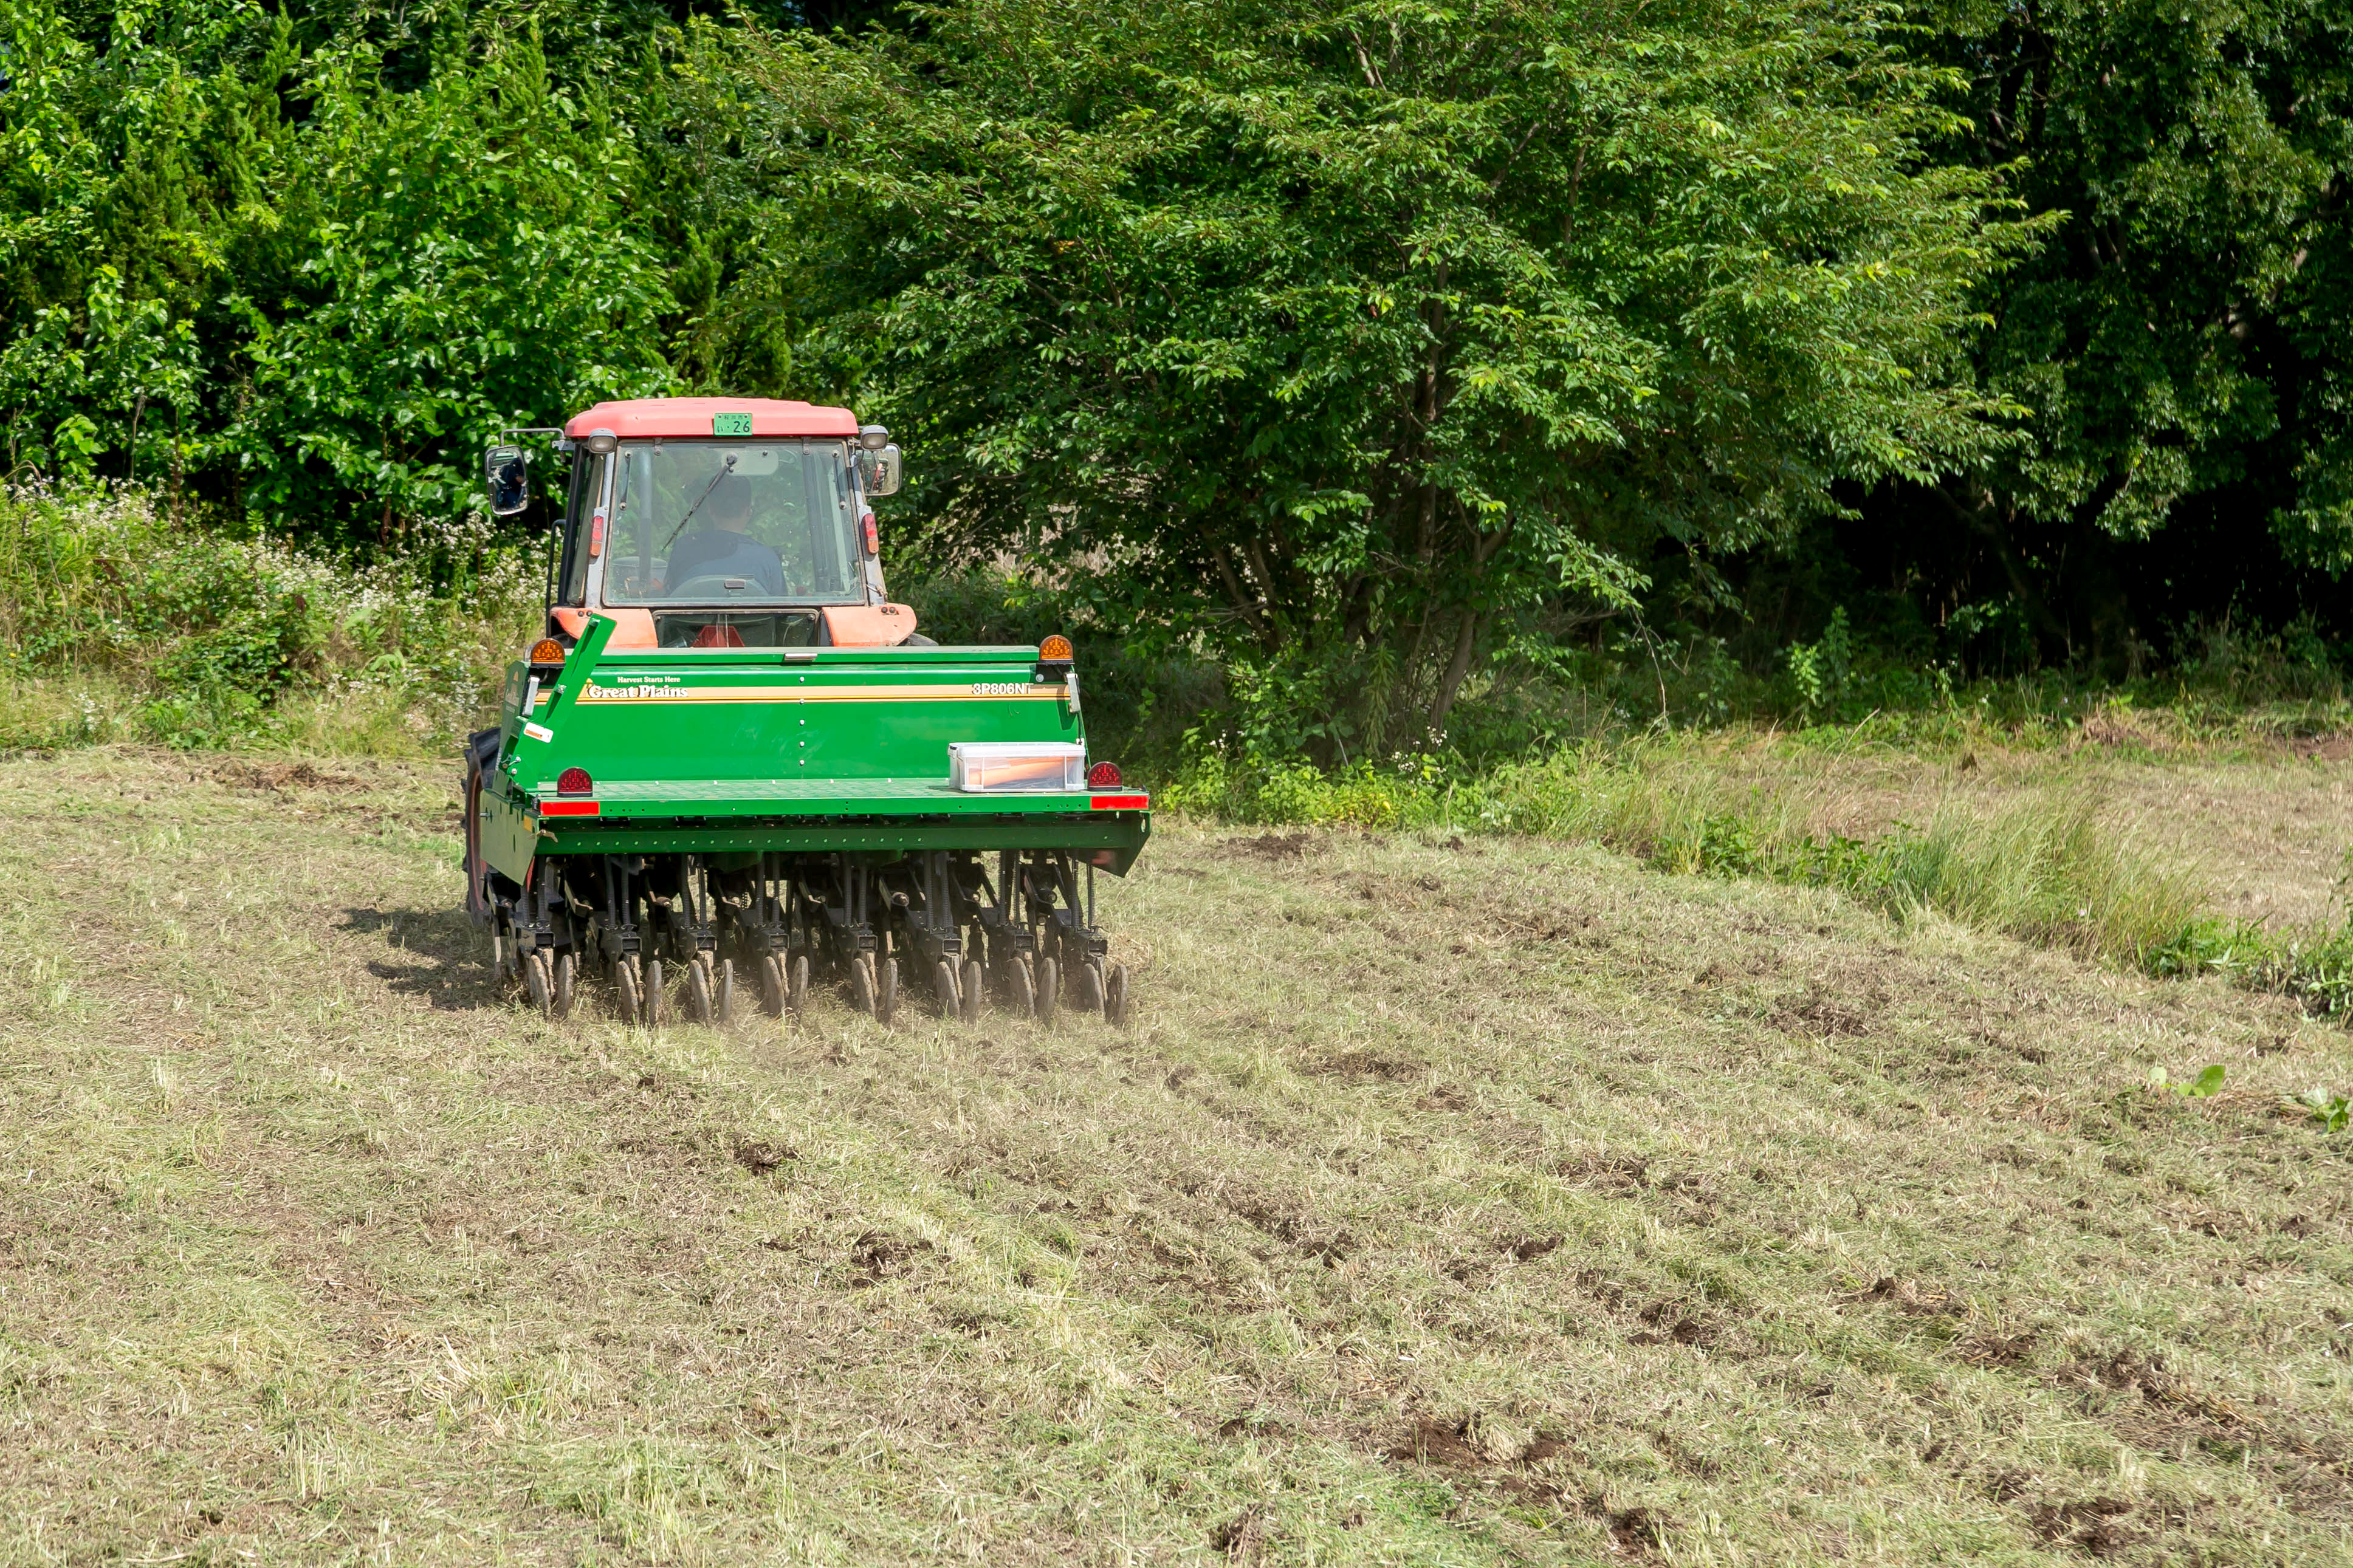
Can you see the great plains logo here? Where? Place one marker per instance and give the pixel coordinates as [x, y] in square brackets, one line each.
[596, 694]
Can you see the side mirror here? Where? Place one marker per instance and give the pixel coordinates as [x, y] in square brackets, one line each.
[505, 469]
[879, 470]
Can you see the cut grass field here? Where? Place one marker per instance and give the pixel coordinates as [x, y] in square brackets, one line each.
[1448, 1202]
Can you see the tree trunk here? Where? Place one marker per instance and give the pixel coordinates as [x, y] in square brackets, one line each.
[1457, 670]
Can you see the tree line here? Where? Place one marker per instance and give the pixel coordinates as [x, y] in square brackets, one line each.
[1372, 349]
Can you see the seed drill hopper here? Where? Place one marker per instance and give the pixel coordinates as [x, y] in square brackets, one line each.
[731, 756]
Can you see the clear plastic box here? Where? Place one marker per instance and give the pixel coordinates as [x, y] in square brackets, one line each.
[999, 767]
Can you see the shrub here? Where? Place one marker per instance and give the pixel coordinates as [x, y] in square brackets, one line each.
[114, 625]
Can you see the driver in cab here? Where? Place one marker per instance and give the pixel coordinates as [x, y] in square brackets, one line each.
[724, 548]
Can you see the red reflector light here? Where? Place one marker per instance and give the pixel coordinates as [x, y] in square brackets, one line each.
[1119, 802]
[873, 536]
[573, 781]
[569, 807]
[1103, 776]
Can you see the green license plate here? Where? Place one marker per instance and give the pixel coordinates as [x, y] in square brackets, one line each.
[731, 425]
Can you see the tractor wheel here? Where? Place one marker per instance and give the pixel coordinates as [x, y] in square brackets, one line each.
[1019, 995]
[567, 974]
[654, 1009]
[1115, 994]
[969, 987]
[722, 994]
[535, 978]
[886, 989]
[796, 984]
[698, 992]
[625, 984]
[861, 985]
[1090, 998]
[1049, 989]
[943, 988]
[772, 984]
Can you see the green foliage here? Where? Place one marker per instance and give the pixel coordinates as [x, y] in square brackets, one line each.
[1820, 669]
[2317, 968]
[2331, 1110]
[252, 270]
[1377, 380]
[1350, 342]
[2188, 332]
[115, 624]
[2205, 1086]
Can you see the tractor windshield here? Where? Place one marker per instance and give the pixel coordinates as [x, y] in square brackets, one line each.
[749, 523]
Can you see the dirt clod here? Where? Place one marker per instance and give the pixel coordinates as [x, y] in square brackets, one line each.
[1640, 1530]
[1243, 1538]
[1428, 1441]
[282, 776]
[1273, 845]
[760, 1156]
[875, 1257]
[2089, 1524]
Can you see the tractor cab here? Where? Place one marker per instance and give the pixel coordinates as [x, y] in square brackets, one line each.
[718, 523]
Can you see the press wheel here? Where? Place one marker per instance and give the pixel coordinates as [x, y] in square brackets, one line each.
[1019, 994]
[796, 984]
[653, 1007]
[568, 976]
[624, 983]
[1090, 979]
[698, 992]
[886, 989]
[541, 984]
[861, 985]
[723, 990]
[943, 988]
[1049, 989]
[772, 984]
[1115, 994]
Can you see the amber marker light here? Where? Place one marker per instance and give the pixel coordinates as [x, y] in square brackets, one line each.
[1055, 649]
[548, 650]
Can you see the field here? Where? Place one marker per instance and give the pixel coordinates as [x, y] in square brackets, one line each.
[1450, 1200]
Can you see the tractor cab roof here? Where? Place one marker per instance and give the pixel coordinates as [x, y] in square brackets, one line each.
[640, 418]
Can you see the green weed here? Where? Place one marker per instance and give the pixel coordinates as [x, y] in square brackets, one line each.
[2205, 1086]
[2331, 1110]
[2314, 967]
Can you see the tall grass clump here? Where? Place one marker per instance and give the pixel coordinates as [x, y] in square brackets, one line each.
[2047, 869]
[2050, 867]
[116, 624]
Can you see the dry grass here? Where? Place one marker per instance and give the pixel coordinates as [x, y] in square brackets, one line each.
[1504, 1202]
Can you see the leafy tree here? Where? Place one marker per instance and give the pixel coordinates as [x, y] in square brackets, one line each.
[2184, 341]
[468, 262]
[226, 254]
[1355, 337]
